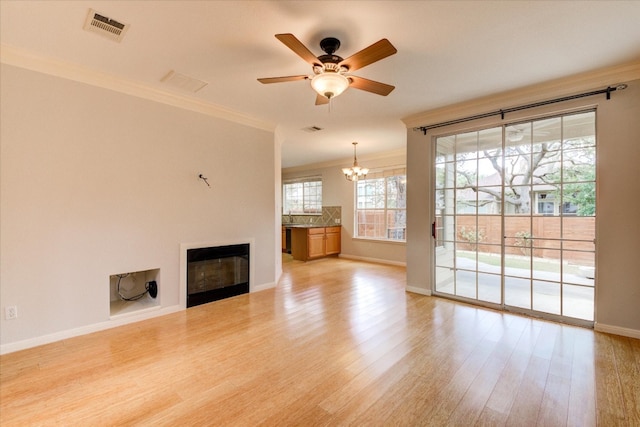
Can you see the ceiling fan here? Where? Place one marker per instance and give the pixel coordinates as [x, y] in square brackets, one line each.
[330, 72]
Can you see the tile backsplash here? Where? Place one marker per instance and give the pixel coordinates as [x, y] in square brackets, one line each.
[329, 216]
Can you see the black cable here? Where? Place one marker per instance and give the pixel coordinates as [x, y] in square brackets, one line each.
[134, 298]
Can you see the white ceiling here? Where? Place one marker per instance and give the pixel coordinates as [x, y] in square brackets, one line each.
[448, 52]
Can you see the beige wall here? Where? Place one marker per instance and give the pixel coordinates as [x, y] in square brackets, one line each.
[618, 215]
[337, 191]
[618, 174]
[95, 182]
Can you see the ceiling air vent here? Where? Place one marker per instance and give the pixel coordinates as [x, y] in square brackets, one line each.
[182, 82]
[311, 129]
[105, 26]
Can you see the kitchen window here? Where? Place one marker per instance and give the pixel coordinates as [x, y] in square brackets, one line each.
[302, 196]
[381, 205]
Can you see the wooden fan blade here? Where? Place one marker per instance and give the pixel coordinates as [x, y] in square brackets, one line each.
[321, 100]
[369, 55]
[370, 86]
[296, 45]
[282, 79]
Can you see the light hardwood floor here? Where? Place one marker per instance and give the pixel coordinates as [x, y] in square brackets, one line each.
[338, 342]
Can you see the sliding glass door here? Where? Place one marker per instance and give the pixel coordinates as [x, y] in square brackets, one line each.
[515, 216]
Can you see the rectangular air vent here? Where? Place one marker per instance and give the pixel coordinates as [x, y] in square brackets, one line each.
[105, 26]
[312, 129]
[182, 82]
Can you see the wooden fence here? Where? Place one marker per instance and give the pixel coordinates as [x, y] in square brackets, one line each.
[540, 234]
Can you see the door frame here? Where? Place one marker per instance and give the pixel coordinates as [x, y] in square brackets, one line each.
[502, 306]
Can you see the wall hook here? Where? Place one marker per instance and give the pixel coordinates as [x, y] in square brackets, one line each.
[204, 178]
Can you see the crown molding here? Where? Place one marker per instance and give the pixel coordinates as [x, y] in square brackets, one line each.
[564, 86]
[347, 162]
[20, 58]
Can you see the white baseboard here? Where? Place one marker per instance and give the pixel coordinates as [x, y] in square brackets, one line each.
[416, 290]
[617, 330]
[83, 330]
[263, 287]
[96, 327]
[374, 260]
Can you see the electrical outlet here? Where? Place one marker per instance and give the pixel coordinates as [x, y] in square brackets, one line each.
[11, 312]
[337, 221]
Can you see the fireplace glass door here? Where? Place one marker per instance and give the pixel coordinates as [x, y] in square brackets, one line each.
[215, 273]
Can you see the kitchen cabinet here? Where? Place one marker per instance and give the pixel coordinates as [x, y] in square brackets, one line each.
[332, 240]
[284, 239]
[314, 242]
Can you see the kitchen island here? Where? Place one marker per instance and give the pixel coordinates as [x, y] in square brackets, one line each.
[314, 241]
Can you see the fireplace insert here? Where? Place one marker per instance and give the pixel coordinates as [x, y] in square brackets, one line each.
[217, 272]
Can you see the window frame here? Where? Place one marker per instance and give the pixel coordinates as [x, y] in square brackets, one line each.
[311, 203]
[386, 174]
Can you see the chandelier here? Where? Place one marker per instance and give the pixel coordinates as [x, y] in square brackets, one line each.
[356, 172]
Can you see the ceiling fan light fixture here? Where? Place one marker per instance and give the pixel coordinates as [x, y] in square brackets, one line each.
[329, 77]
[329, 84]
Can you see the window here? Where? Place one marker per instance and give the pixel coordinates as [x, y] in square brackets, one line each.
[381, 205]
[302, 196]
[547, 205]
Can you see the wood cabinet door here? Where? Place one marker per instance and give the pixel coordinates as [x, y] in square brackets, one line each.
[332, 242]
[315, 245]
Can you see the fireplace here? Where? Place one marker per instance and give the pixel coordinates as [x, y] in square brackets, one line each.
[214, 273]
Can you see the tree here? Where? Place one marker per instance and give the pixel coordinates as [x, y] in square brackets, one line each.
[544, 164]
[582, 192]
[520, 170]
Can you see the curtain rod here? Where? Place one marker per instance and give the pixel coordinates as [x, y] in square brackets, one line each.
[504, 111]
